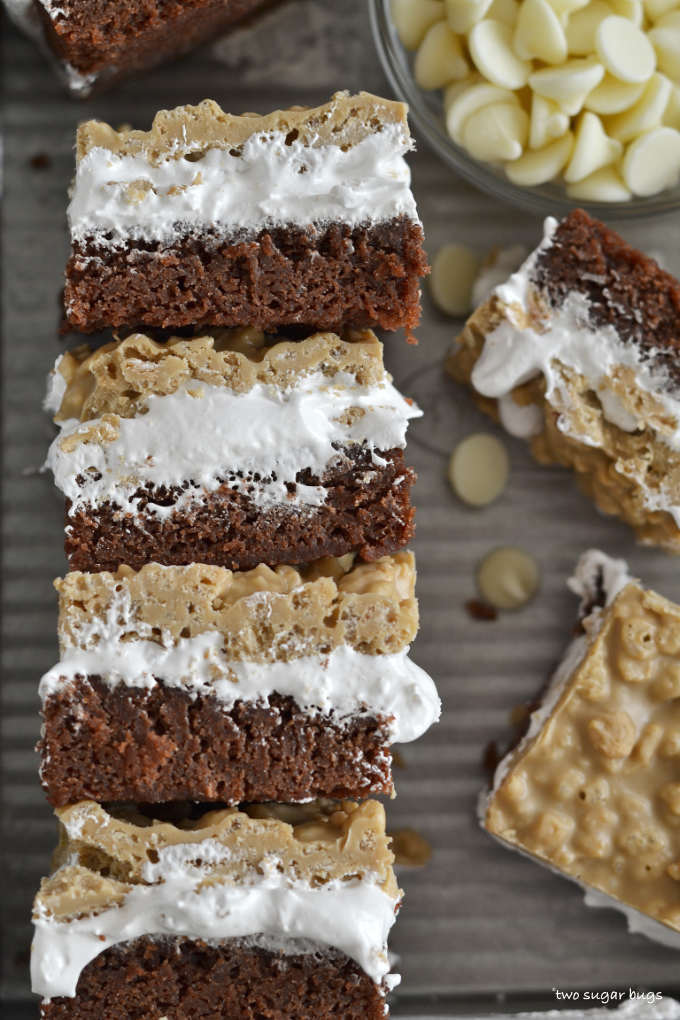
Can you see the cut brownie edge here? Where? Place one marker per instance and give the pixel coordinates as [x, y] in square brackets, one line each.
[625, 289]
[235, 980]
[331, 278]
[367, 510]
[124, 743]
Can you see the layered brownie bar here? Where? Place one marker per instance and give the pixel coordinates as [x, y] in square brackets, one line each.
[593, 789]
[98, 41]
[196, 683]
[234, 450]
[266, 911]
[300, 217]
[577, 352]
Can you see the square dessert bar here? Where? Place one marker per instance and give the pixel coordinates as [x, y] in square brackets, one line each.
[195, 683]
[300, 217]
[266, 911]
[233, 450]
[593, 789]
[100, 41]
[578, 353]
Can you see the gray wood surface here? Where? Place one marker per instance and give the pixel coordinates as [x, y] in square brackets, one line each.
[478, 922]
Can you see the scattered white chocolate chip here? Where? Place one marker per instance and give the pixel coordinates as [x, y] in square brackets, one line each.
[463, 14]
[539, 33]
[508, 578]
[671, 115]
[646, 113]
[490, 44]
[504, 10]
[537, 166]
[613, 96]
[631, 9]
[479, 469]
[497, 132]
[440, 58]
[564, 8]
[412, 18]
[652, 162]
[655, 9]
[666, 42]
[454, 270]
[604, 185]
[624, 49]
[463, 104]
[548, 121]
[592, 150]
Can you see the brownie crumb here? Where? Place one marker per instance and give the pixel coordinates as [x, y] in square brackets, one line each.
[479, 610]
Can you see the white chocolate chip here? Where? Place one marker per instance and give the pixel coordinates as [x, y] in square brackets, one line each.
[463, 14]
[539, 33]
[440, 58]
[666, 42]
[655, 9]
[671, 115]
[613, 96]
[537, 166]
[646, 113]
[630, 9]
[583, 25]
[454, 270]
[479, 469]
[496, 133]
[563, 8]
[504, 10]
[592, 150]
[548, 121]
[624, 49]
[568, 84]
[465, 102]
[508, 578]
[604, 185]
[652, 162]
[412, 18]
[490, 44]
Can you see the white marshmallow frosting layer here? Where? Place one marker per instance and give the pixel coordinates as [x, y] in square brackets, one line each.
[515, 352]
[354, 916]
[613, 576]
[270, 183]
[204, 434]
[343, 684]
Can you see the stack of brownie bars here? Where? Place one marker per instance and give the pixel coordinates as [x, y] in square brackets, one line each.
[234, 628]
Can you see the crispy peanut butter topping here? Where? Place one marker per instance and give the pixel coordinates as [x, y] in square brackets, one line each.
[189, 131]
[103, 854]
[597, 792]
[623, 472]
[264, 614]
[118, 378]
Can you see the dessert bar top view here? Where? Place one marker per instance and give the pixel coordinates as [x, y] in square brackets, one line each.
[592, 789]
[577, 352]
[194, 682]
[299, 217]
[98, 42]
[313, 885]
[279, 451]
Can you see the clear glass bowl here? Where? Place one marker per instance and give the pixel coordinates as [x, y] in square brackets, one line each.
[426, 114]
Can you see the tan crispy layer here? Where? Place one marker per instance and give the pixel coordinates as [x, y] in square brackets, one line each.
[263, 614]
[610, 470]
[102, 854]
[118, 377]
[597, 792]
[345, 120]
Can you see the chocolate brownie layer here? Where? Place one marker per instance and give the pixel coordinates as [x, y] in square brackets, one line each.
[625, 289]
[331, 278]
[186, 980]
[121, 36]
[132, 744]
[367, 510]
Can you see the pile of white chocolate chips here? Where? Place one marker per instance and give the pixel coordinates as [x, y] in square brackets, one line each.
[583, 90]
